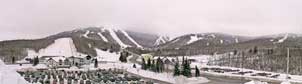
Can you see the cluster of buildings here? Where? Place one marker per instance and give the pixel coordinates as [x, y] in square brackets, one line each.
[59, 61]
[61, 54]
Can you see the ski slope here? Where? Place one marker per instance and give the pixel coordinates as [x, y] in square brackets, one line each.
[283, 39]
[131, 39]
[103, 37]
[116, 38]
[61, 47]
[193, 39]
[86, 34]
[160, 40]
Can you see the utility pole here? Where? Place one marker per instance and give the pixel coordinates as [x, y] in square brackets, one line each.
[287, 64]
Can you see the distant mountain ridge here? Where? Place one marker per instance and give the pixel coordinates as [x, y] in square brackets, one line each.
[87, 39]
[210, 43]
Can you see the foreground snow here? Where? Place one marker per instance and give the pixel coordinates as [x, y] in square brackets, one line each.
[107, 56]
[10, 76]
[256, 82]
[286, 82]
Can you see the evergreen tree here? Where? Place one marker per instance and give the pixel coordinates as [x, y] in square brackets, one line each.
[186, 69]
[255, 50]
[35, 61]
[13, 60]
[158, 65]
[134, 66]
[183, 60]
[148, 63]
[153, 66]
[144, 67]
[235, 52]
[95, 63]
[197, 72]
[176, 69]
[123, 57]
[38, 60]
[120, 58]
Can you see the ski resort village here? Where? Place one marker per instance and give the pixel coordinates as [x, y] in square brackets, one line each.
[106, 55]
[150, 42]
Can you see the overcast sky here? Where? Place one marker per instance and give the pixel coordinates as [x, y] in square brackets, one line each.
[38, 18]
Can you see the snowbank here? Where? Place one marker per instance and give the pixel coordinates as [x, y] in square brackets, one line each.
[256, 82]
[286, 82]
[10, 76]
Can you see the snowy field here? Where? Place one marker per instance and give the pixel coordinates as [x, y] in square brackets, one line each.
[202, 60]
[166, 77]
[9, 76]
[282, 77]
[107, 56]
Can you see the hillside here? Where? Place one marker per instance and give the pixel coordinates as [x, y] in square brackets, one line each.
[210, 43]
[85, 41]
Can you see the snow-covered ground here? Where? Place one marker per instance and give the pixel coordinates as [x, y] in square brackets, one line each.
[107, 56]
[256, 82]
[286, 82]
[113, 62]
[200, 60]
[282, 77]
[166, 77]
[10, 76]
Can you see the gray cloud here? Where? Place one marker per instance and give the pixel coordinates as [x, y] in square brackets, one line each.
[36, 18]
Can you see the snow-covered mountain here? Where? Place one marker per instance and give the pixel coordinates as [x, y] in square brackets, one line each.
[203, 40]
[162, 40]
[121, 37]
[209, 43]
[87, 40]
[84, 40]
